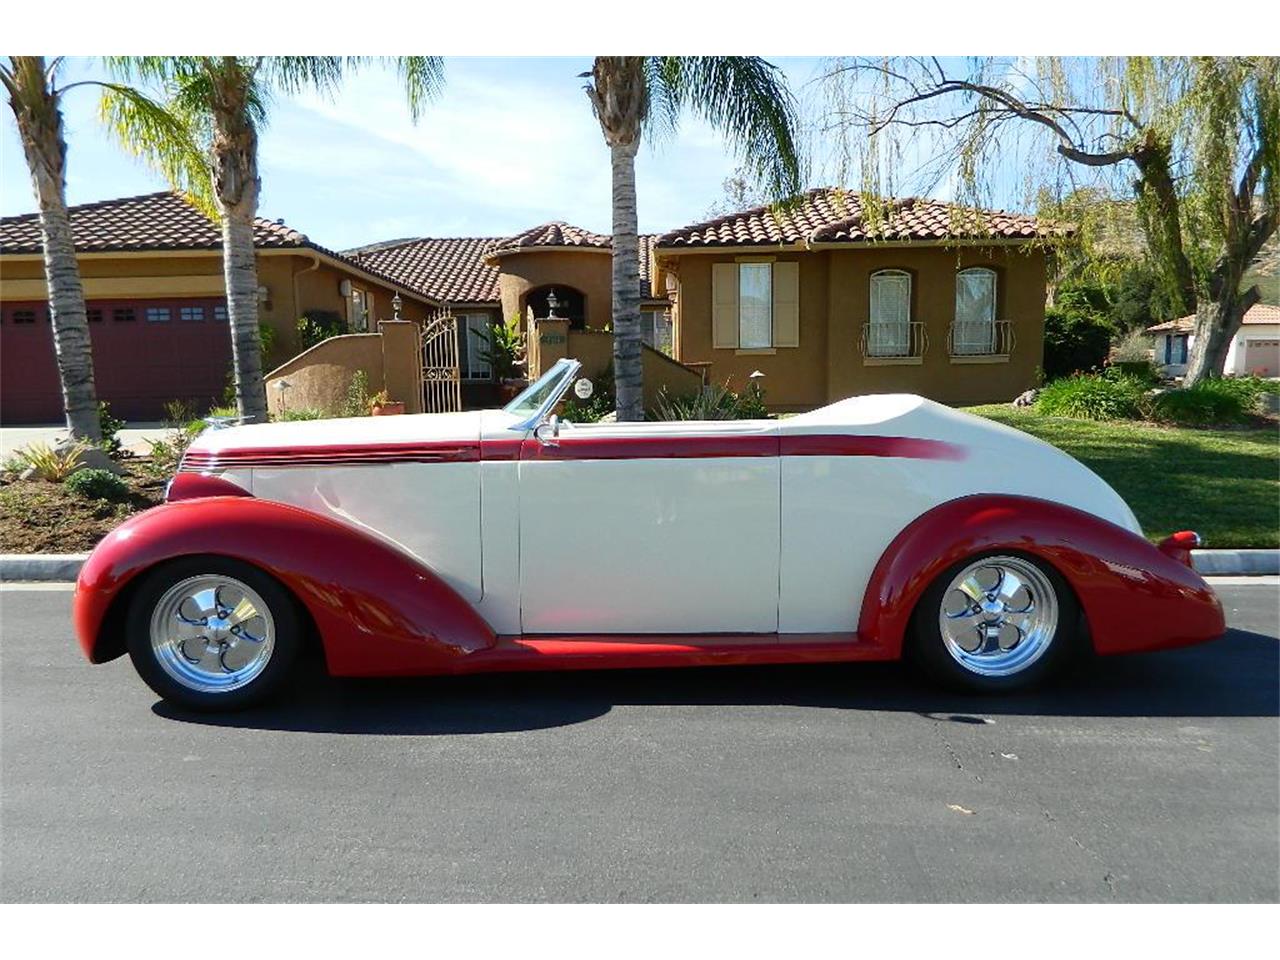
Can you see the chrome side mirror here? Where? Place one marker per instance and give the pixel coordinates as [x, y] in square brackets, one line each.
[547, 432]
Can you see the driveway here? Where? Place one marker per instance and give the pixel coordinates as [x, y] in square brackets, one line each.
[134, 437]
[1148, 778]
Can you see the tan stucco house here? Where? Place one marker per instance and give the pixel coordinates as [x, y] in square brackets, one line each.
[824, 298]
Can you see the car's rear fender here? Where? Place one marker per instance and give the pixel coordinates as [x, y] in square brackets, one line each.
[1134, 596]
[377, 609]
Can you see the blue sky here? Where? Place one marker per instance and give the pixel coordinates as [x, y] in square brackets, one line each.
[511, 143]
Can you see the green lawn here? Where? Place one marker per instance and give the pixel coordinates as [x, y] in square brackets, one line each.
[1225, 484]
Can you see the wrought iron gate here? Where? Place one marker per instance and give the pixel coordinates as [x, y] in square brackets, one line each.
[441, 378]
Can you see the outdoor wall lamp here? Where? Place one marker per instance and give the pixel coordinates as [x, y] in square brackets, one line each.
[396, 304]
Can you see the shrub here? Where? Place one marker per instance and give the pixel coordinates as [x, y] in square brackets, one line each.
[166, 453]
[94, 484]
[316, 326]
[357, 401]
[54, 465]
[110, 427]
[1216, 400]
[601, 403]
[712, 403]
[306, 413]
[505, 350]
[1074, 340]
[1093, 397]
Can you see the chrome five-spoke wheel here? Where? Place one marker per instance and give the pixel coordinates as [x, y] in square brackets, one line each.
[212, 633]
[998, 616]
[995, 623]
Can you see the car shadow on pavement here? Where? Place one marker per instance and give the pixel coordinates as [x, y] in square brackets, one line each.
[1232, 677]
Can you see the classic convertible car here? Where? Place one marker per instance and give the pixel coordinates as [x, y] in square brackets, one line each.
[870, 529]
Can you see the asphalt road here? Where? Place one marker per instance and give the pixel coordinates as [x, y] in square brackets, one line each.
[1145, 778]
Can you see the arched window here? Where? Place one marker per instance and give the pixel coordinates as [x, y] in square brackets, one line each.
[974, 330]
[889, 332]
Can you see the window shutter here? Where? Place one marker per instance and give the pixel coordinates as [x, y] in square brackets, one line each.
[724, 305]
[786, 304]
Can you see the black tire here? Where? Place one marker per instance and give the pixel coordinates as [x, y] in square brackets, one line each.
[927, 649]
[286, 639]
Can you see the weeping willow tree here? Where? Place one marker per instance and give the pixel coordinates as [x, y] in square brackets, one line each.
[1195, 141]
[745, 98]
[199, 126]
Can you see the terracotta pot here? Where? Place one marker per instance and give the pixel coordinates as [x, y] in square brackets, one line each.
[390, 408]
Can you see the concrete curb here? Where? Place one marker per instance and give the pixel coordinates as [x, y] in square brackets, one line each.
[1236, 563]
[65, 566]
[40, 566]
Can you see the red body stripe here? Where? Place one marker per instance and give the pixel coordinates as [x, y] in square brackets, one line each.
[577, 448]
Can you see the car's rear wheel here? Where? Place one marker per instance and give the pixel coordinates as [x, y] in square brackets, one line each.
[212, 633]
[994, 623]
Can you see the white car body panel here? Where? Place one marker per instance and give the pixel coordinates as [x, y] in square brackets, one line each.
[661, 544]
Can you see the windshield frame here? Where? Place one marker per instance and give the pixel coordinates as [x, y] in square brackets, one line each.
[561, 375]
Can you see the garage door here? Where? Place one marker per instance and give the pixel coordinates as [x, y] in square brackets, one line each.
[145, 353]
[1262, 357]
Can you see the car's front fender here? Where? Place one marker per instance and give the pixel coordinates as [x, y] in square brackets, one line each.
[377, 609]
[1134, 596]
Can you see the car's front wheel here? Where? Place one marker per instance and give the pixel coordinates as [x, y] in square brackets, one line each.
[212, 633]
[995, 623]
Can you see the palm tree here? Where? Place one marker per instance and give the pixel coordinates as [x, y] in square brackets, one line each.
[745, 98]
[220, 103]
[37, 106]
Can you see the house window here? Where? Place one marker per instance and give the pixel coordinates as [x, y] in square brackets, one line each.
[974, 330]
[889, 333]
[191, 313]
[123, 315]
[94, 314]
[359, 308]
[24, 316]
[1175, 348]
[755, 306]
[220, 314]
[655, 328]
[157, 314]
[473, 345]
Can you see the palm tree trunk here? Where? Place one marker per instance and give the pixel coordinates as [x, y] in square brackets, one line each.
[240, 269]
[236, 185]
[39, 118]
[627, 353]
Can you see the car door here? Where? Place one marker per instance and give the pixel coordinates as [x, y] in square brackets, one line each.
[660, 528]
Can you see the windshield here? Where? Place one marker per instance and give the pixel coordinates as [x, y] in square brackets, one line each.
[535, 396]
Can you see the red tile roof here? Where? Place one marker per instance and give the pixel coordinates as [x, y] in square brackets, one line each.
[557, 233]
[1258, 313]
[828, 215]
[449, 269]
[158, 221]
[154, 221]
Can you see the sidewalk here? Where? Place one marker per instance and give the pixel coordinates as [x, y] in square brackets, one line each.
[134, 437]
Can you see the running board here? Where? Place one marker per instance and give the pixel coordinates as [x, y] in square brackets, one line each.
[583, 652]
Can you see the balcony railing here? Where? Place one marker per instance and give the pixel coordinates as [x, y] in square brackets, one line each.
[894, 341]
[980, 338]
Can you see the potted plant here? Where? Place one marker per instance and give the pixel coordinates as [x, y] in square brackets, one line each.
[504, 353]
[380, 405]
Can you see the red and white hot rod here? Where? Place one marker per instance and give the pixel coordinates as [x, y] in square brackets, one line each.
[870, 529]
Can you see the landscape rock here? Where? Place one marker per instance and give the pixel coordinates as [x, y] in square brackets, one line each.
[1027, 398]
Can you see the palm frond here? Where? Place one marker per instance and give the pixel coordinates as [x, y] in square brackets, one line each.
[745, 98]
[423, 79]
[163, 135]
